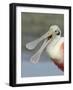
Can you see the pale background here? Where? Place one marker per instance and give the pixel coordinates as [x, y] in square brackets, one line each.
[4, 45]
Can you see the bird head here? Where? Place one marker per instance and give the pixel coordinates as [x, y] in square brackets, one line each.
[54, 31]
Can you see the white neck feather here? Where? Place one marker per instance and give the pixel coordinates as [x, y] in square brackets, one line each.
[53, 42]
[53, 49]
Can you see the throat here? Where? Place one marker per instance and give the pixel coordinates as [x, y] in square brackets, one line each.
[54, 42]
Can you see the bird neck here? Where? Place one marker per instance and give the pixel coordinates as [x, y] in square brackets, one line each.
[54, 42]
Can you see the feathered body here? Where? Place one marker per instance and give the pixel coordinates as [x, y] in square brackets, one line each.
[55, 51]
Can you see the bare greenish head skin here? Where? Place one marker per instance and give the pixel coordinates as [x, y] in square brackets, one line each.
[55, 29]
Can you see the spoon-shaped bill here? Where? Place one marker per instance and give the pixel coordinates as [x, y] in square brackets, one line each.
[35, 58]
[31, 45]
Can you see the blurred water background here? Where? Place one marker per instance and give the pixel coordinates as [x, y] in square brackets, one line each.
[33, 26]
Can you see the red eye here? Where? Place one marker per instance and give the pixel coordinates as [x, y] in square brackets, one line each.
[55, 31]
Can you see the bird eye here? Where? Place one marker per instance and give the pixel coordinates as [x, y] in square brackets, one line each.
[56, 31]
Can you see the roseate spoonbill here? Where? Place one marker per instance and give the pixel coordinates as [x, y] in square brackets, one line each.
[54, 44]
